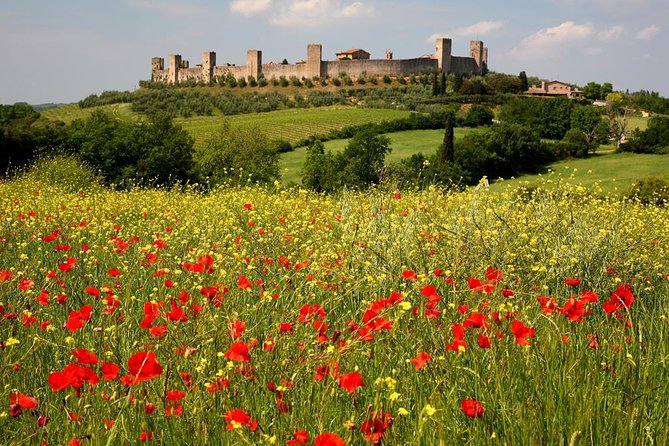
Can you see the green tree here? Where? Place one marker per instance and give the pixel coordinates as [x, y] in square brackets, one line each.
[363, 158]
[318, 172]
[619, 112]
[524, 85]
[446, 151]
[587, 120]
[655, 139]
[478, 115]
[592, 91]
[165, 151]
[237, 156]
[154, 152]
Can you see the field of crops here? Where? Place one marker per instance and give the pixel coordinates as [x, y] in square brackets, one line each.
[250, 316]
[292, 124]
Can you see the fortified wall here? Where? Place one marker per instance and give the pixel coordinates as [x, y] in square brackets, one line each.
[178, 69]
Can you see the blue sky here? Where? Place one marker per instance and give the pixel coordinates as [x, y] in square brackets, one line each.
[62, 51]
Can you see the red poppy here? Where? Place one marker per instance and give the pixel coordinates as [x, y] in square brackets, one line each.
[483, 341]
[114, 272]
[299, 438]
[409, 275]
[548, 304]
[522, 332]
[472, 408]
[25, 401]
[572, 281]
[374, 428]
[85, 357]
[329, 439]
[573, 309]
[143, 366]
[622, 297]
[72, 375]
[237, 327]
[175, 395]
[244, 283]
[458, 344]
[237, 418]
[476, 320]
[480, 287]
[239, 351]
[493, 275]
[145, 436]
[109, 371]
[421, 360]
[351, 381]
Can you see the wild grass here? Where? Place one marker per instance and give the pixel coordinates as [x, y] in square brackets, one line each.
[314, 286]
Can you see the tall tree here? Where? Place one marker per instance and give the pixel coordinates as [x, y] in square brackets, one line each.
[447, 149]
[619, 113]
[524, 85]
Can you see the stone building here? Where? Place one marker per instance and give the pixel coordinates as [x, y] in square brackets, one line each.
[554, 88]
[353, 54]
[178, 70]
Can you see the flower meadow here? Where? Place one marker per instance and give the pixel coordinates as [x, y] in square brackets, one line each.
[257, 316]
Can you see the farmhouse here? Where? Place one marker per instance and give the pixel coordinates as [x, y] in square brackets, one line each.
[354, 62]
[554, 88]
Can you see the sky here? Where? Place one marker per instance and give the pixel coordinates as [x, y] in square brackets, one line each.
[62, 51]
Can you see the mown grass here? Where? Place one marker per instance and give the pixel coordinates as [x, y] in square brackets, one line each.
[470, 264]
[614, 173]
[404, 144]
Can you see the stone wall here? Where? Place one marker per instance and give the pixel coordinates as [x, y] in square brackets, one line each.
[315, 66]
[379, 67]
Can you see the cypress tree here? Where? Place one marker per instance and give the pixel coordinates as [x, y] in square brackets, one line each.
[447, 149]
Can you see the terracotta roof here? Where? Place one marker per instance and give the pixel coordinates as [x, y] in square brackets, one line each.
[352, 50]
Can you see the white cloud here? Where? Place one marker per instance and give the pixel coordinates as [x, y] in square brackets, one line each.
[356, 9]
[549, 41]
[169, 8]
[482, 28]
[647, 33]
[613, 33]
[318, 12]
[478, 29]
[250, 7]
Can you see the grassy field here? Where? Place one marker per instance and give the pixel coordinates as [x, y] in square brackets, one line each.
[70, 112]
[247, 316]
[292, 124]
[404, 144]
[613, 172]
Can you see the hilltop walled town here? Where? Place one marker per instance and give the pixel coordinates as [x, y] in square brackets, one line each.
[354, 62]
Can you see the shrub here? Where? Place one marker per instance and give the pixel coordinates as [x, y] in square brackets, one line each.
[386, 79]
[283, 81]
[64, 171]
[650, 191]
[241, 82]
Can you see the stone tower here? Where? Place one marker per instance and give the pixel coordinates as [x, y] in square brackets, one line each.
[476, 52]
[208, 64]
[314, 58]
[253, 63]
[444, 47]
[157, 64]
[173, 69]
